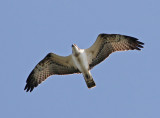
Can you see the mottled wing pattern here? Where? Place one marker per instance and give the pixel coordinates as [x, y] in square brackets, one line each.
[52, 64]
[109, 43]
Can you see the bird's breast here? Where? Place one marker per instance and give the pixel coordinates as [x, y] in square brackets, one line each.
[81, 61]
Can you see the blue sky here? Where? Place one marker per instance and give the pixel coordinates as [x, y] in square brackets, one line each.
[127, 82]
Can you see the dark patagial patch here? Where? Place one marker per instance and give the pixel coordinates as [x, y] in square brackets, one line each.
[49, 55]
[102, 35]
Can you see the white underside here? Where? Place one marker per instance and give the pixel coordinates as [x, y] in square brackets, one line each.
[81, 61]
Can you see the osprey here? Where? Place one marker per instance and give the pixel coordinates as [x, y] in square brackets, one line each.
[81, 60]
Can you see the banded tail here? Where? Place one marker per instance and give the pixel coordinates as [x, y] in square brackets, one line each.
[89, 80]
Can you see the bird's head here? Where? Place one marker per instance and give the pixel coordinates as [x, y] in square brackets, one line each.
[75, 49]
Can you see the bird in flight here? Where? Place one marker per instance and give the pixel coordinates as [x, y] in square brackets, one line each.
[81, 60]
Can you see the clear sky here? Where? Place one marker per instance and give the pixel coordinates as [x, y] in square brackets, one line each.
[128, 83]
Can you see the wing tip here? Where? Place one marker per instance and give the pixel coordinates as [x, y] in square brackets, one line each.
[31, 82]
[137, 45]
[28, 88]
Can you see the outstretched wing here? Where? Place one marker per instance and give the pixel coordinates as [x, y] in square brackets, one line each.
[108, 43]
[52, 64]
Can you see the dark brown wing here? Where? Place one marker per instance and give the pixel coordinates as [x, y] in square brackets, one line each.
[108, 43]
[52, 64]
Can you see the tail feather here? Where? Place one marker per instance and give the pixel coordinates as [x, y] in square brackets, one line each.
[89, 80]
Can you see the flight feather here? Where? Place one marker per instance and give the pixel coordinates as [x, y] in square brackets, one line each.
[109, 43]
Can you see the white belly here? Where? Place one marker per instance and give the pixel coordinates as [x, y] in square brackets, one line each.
[81, 62]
